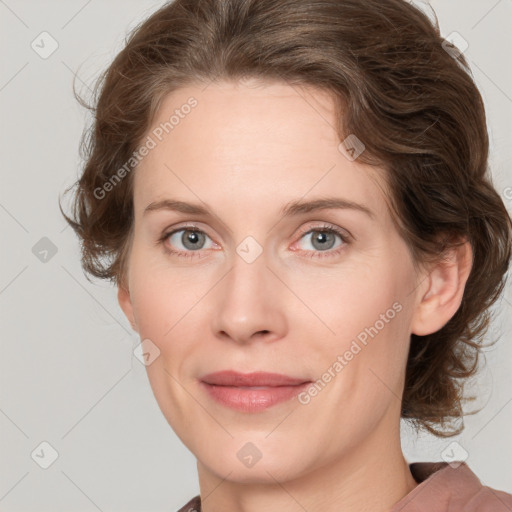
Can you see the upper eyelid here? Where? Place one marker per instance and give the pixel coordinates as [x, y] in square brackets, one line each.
[327, 226]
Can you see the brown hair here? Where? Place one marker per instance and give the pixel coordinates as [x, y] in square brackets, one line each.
[396, 84]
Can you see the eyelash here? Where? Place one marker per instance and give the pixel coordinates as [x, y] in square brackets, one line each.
[326, 228]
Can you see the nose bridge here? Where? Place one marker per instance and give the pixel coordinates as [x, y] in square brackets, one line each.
[247, 286]
[248, 274]
[248, 300]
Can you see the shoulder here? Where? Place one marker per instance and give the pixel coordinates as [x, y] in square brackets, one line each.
[194, 505]
[441, 487]
[451, 488]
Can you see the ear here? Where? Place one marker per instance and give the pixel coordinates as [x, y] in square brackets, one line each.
[124, 299]
[442, 293]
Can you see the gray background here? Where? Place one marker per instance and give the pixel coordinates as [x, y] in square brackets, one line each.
[68, 374]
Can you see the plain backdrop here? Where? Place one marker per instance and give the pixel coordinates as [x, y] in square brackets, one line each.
[69, 378]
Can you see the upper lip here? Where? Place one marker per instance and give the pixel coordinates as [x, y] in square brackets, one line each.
[232, 378]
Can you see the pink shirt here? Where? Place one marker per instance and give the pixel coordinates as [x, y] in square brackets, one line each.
[441, 488]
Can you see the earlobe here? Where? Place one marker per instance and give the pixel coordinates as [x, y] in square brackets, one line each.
[442, 297]
[124, 299]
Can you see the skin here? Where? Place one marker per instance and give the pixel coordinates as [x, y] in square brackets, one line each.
[245, 151]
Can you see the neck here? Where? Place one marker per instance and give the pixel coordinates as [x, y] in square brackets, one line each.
[370, 477]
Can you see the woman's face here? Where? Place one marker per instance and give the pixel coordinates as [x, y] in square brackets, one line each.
[263, 287]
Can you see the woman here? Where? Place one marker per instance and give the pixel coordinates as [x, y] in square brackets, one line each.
[294, 201]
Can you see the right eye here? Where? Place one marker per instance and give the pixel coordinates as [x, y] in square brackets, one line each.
[189, 240]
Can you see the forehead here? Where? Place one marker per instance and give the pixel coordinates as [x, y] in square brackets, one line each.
[257, 138]
[229, 114]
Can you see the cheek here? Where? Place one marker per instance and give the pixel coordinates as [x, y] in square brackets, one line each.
[352, 299]
[367, 312]
[162, 299]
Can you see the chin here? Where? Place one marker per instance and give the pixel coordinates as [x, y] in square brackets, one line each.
[252, 458]
[263, 472]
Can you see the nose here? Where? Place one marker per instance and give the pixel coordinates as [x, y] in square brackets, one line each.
[250, 303]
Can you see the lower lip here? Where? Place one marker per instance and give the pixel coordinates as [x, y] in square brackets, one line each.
[252, 400]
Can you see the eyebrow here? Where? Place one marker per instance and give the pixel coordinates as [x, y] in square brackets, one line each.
[293, 208]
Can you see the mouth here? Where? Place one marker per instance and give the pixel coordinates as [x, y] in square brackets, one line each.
[254, 379]
[251, 392]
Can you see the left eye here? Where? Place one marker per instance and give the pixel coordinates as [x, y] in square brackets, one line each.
[323, 239]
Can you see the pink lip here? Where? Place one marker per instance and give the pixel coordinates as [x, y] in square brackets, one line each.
[237, 390]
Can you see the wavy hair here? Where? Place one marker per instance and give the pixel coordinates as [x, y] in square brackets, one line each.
[398, 86]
